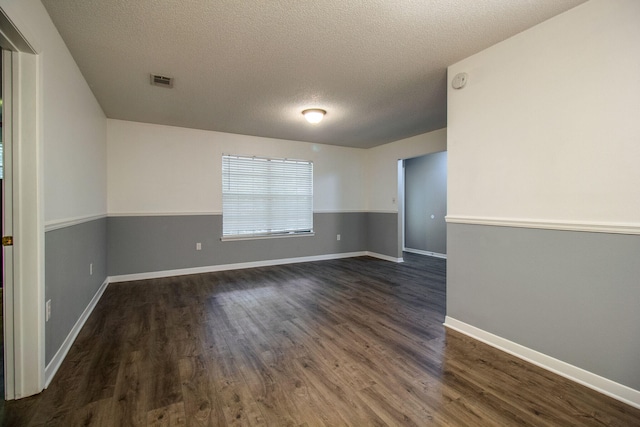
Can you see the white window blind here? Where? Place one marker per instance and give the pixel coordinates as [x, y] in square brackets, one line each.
[266, 197]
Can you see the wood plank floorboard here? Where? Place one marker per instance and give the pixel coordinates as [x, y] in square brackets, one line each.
[355, 342]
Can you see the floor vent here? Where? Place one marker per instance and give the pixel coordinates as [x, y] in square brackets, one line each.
[162, 81]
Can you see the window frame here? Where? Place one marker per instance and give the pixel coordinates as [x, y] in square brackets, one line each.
[281, 200]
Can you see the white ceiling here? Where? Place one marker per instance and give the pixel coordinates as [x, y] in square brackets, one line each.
[250, 67]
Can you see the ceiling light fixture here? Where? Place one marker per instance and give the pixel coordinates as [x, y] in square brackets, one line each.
[314, 115]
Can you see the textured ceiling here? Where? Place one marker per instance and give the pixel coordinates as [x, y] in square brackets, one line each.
[250, 67]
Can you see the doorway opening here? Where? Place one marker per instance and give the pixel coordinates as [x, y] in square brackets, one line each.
[424, 204]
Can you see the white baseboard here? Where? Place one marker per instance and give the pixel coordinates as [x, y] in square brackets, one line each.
[54, 365]
[224, 267]
[384, 257]
[427, 253]
[600, 384]
[241, 265]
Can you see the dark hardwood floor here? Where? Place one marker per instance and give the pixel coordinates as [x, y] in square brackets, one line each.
[345, 342]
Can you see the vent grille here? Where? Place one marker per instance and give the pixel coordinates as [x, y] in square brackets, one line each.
[162, 81]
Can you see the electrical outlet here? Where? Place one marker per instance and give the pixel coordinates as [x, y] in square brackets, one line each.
[91, 269]
[48, 310]
[338, 237]
[198, 246]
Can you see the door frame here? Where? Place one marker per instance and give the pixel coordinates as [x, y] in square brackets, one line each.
[401, 207]
[24, 307]
[7, 226]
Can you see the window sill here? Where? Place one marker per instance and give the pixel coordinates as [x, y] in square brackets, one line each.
[269, 236]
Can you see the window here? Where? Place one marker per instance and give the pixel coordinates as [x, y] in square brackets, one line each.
[266, 197]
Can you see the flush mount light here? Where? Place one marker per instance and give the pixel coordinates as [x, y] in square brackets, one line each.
[314, 115]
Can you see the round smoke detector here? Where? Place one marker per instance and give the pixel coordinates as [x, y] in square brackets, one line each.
[459, 80]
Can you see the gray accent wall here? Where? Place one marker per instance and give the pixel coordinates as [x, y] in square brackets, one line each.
[571, 295]
[426, 195]
[143, 244]
[382, 234]
[68, 283]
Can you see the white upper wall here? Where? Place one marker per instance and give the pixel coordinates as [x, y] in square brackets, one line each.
[155, 169]
[72, 127]
[548, 125]
[382, 166]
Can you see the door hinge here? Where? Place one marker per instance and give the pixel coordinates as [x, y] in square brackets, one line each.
[7, 241]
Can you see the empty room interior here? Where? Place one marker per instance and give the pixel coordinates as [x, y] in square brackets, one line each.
[320, 213]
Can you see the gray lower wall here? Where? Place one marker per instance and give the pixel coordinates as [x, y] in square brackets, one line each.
[382, 234]
[573, 296]
[425, 193]
[142, 244]
[68, 253]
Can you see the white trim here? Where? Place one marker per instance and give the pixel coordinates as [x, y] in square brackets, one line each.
[7, 223]
[323, 211]
[68, 222]
[241, 265]
[600, 384]
[277, 159]
[114, 214]
[384, 257]
[319, 211]
[426, 253]
[225, 267]
[265, 236]
[56, 361]
[593, 227]
[383, 211]
[28, 227]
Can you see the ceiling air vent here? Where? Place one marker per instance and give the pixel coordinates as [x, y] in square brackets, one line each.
[162, 81]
